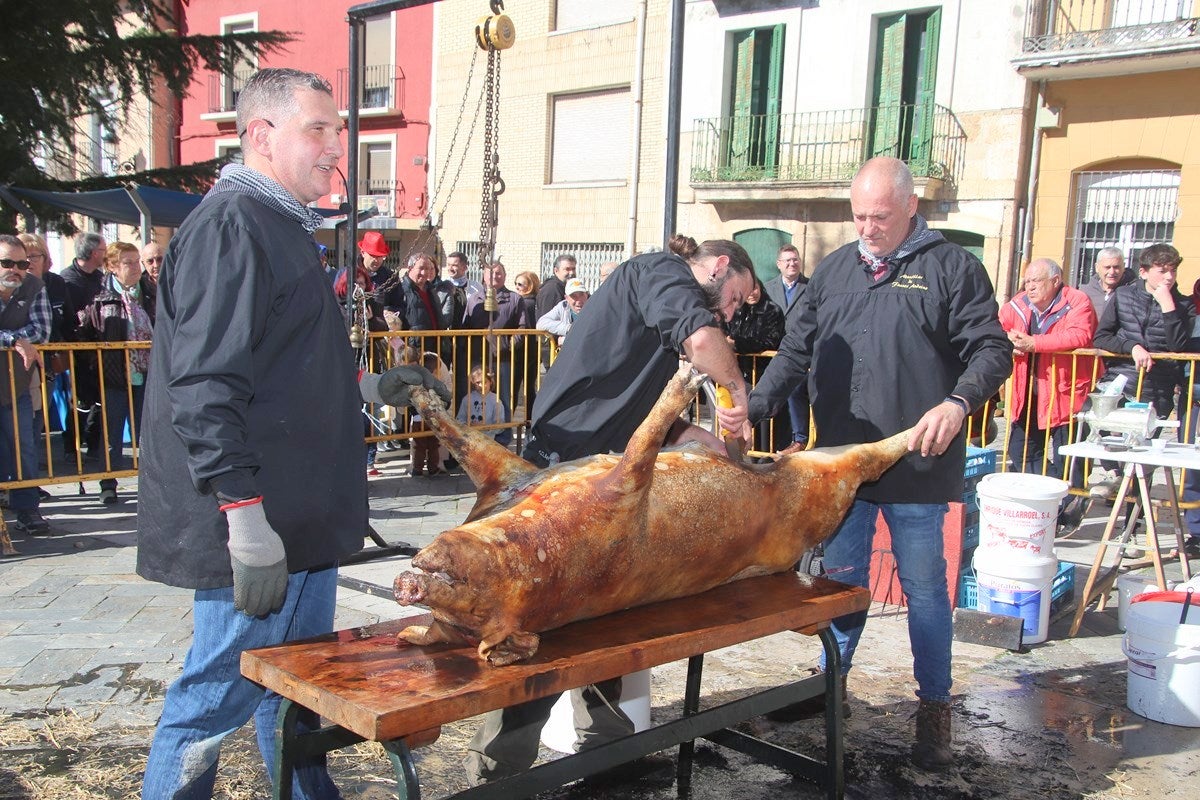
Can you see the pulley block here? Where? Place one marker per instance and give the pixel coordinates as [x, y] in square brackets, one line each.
[495, 32]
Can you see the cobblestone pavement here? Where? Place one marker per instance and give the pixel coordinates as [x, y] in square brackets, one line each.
[79, 630]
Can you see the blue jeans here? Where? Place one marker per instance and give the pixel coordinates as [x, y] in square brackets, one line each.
[19, 499]
[917, 548]
[211, 699]
[116, 415]
[797, 403]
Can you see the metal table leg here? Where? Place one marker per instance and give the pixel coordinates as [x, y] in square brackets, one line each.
[691, 704]
[835, 778]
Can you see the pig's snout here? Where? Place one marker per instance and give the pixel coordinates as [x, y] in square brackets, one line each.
[409, 588]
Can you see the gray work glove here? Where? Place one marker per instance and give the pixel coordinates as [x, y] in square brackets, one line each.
[260, 574]
[392, 387]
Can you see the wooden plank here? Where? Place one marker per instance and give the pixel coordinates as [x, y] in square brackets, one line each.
[362, 680]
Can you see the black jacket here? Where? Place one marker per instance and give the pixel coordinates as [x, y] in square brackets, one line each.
[252, 391]
[106, 320]
[1133, 317]
[755, 328]
[82, 288]
[552, 293]
[624, 347]
[878, 355]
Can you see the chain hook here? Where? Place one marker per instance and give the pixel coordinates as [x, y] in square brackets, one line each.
[497, 6]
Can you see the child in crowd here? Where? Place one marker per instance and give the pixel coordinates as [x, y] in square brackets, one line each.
[424, 448]
[481, 406]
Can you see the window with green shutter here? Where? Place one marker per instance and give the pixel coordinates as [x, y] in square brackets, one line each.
[905, 76]
[752, 133]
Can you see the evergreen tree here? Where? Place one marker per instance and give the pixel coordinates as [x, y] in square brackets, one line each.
[63, 60]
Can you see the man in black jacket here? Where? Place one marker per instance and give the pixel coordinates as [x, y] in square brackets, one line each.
[84, 279]
[252, 424]
[786, 290]
[899, 330]
[1146, 316]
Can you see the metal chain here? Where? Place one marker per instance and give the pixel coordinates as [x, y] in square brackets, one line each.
[487, 195]
[454, 137]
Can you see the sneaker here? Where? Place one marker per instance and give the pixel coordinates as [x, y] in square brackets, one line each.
[932, 751]
[31, 523]
[416, 473]
[108, 496]
[1103, 483]
[373, 473]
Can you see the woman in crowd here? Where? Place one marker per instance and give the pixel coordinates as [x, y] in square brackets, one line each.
[123, 311]
[527, 285]
[758, 325]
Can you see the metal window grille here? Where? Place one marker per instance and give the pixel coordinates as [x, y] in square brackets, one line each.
[588, 258]
[1127, 209]
[471, 251]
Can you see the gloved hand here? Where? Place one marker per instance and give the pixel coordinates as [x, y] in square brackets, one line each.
[392, 387]
[260, 575]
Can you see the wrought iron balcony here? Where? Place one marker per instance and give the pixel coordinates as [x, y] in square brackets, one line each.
[824, 147]
[378, 196]
[382, 88]
[224, 88]
[1074, 38]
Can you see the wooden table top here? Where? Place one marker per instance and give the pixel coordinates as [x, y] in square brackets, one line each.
[362, 680]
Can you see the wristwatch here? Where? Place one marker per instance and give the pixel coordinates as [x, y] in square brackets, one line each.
[951, 398]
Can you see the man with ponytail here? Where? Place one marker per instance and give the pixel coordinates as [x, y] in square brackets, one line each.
[625, 345]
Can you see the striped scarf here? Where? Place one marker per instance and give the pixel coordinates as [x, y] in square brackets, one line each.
[921, 235]
[240, 178]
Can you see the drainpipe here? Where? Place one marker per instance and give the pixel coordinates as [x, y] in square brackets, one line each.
[1035, 158]
[635, 160]
[674, 101]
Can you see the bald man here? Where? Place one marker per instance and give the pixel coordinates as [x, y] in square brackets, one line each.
[896, 328]
[152, 259]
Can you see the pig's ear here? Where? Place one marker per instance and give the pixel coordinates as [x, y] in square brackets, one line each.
[516, 646]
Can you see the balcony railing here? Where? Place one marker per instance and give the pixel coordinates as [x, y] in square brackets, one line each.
[382, 87]
[1058, 26]
[224, 88]
[827, 146]
[378, 196]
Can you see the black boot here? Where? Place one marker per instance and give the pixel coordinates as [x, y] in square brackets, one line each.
[932, 751]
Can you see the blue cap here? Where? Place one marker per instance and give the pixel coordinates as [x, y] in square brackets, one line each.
[322, 248]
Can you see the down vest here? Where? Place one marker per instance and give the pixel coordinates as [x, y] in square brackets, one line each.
[1133, 317]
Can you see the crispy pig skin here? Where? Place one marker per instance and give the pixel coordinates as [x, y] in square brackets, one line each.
[542, 548]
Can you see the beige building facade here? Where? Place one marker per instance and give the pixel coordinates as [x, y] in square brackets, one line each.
[581, 131]
[1117, 154]
[781, 107]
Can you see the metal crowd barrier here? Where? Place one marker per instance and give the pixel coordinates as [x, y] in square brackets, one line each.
[515, 360]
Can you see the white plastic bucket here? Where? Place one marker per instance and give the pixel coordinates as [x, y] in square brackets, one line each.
[1130, 585]
[1163, 659]
[559, 731]
[1016, 587]
[1018, 514]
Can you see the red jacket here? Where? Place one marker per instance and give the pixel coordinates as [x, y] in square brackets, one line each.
[1069, 323]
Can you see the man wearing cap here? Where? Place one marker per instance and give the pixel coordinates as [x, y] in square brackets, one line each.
[558, 320]
[372, 250]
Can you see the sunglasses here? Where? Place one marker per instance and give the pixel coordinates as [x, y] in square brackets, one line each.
[8, 263]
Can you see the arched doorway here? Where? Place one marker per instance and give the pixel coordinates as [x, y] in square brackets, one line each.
[762, 244]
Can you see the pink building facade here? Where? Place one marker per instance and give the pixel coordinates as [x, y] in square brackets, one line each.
[394, 99]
